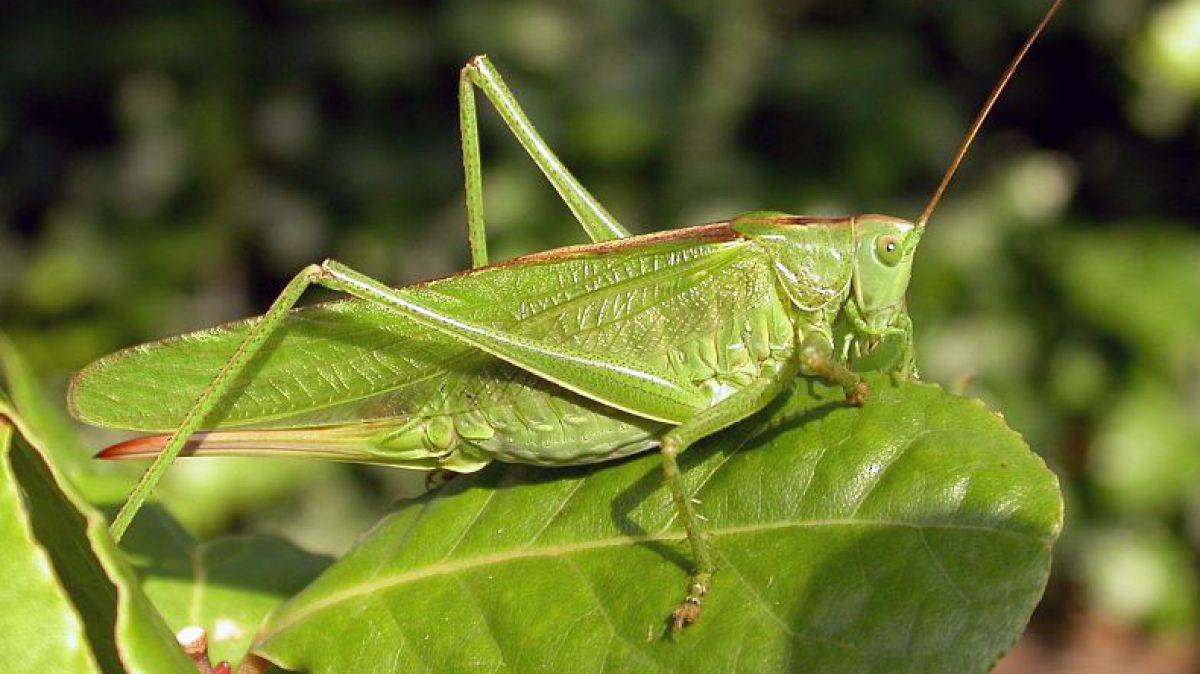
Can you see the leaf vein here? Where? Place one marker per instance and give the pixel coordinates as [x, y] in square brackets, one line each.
[937, 563]
[558, 511]
[470, 525]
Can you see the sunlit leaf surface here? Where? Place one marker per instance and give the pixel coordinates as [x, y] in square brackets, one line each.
[913, 534]
[78, 607]
[42, 630]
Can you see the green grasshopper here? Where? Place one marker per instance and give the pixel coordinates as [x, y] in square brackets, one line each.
[571, 356]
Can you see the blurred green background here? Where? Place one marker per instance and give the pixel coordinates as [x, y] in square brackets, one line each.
[166, 167]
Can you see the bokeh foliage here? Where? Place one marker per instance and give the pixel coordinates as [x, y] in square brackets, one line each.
[165, 167]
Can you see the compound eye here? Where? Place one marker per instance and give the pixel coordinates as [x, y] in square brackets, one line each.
[888, 250]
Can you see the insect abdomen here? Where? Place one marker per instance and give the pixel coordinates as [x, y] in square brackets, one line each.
[528, 420]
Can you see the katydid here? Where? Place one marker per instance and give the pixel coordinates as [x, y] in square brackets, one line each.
[572, 356]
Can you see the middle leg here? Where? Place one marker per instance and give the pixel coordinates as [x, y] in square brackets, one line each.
[747, 401]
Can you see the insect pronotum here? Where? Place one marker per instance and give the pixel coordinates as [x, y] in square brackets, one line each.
[571, 356]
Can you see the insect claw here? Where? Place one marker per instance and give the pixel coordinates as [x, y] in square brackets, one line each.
[687, 614]
[857, 395]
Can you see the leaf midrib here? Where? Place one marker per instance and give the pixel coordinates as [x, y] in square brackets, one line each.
[450, 567]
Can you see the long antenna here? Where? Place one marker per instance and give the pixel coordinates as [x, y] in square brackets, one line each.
[983, 113]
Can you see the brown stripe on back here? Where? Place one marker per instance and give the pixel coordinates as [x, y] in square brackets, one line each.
[713, 232]
[801, 220]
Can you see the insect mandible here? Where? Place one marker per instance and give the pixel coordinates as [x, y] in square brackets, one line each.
[572, 356]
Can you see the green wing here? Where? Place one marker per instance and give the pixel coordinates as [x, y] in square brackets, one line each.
[351, 360]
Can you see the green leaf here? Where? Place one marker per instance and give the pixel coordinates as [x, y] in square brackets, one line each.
[121, 631]
[37, 411]
[94, 481]
[913, 534]
[226, 585]
[42, 631]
